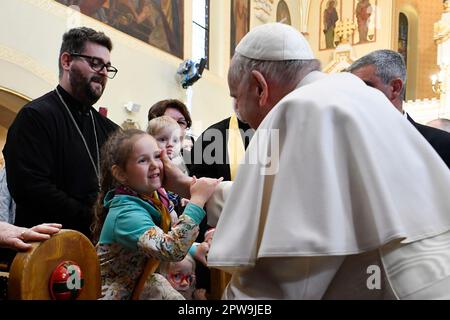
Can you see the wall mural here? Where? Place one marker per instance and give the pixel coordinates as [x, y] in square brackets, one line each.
[240, 22]
[156, 22]
[331, 12]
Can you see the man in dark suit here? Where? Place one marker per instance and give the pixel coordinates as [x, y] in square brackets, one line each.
[385, 70]
[214, 154]
[210, 155]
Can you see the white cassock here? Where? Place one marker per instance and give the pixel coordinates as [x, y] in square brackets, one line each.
[355, 205]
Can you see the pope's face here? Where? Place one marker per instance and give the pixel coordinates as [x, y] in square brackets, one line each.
[245, 99]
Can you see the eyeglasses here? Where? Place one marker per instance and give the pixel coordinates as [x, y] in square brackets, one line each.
[97, 64]
[178, 278]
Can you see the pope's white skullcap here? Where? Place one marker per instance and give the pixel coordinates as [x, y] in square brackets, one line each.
[275, 42]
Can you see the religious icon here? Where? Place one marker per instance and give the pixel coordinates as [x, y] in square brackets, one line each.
[240, 22]
[330, 14]
[366, 20]
[159, 23]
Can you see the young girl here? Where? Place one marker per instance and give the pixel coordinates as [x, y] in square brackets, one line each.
[132, 214]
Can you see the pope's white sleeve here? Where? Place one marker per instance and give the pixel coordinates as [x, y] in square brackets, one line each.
[216, 203]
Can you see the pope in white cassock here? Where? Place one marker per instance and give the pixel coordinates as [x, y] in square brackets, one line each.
[338, 197]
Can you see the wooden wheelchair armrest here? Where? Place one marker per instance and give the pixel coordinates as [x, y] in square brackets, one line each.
[30, 272]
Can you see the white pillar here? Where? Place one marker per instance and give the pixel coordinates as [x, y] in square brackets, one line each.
[304, 14]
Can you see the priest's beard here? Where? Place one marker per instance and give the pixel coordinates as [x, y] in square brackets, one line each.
[82, 86]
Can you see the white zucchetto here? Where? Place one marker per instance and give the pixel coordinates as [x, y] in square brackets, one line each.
[275, 42]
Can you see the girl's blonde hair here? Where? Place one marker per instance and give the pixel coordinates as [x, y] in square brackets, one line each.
[157, 124]
[165, 267]
[115, 151]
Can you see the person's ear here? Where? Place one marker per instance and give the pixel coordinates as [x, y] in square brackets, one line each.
[65, 60]
[397, 89]
[262, 87]
[118, 174]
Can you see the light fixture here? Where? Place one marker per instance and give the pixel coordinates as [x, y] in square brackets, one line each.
[437, 83]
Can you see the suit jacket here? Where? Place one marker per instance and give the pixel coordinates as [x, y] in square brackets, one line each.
[201, 167]
[439, 139]
[217, 134]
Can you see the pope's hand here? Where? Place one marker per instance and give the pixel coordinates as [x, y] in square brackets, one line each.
[174, 179]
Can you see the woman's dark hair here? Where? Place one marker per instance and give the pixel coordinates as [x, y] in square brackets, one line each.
[115, 151]
[159, 108]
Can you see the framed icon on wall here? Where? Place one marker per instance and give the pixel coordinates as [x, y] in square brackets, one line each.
[159, 23]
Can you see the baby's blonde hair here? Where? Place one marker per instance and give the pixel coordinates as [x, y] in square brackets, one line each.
[157, 124]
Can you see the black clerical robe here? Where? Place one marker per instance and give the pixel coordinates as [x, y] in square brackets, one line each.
[50, 175]
[200, 167]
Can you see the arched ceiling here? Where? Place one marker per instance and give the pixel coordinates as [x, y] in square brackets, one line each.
[10, 103]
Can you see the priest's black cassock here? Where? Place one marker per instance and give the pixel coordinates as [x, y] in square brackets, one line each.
[49, 172]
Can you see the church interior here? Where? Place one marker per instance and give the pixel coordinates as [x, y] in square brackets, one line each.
[190, 60]
[148, 73]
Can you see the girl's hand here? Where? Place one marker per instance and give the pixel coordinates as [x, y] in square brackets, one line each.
[202, 189]
[200, 294]
[201, 253]
[209, 235]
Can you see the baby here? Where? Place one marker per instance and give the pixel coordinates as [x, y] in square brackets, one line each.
[168, 135]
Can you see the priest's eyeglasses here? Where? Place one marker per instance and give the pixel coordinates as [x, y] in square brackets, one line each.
[97, 64]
